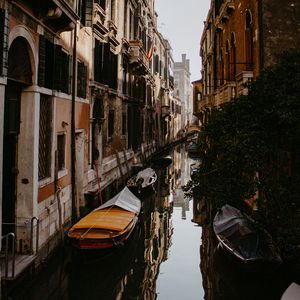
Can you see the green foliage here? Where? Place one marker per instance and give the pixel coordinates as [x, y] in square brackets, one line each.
[252, 144]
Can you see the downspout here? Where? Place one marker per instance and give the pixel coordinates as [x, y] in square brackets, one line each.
[73, 150]
[261, 36]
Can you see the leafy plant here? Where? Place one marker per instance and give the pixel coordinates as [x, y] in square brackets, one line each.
[250, 148]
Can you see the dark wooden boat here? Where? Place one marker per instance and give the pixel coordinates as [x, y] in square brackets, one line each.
[238, 235]
[108, 225]
[143, 181]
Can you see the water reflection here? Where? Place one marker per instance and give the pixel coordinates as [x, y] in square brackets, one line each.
[133, 272]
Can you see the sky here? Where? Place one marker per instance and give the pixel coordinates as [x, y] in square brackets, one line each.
[181, 22]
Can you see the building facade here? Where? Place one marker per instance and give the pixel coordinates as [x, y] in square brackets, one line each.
[239, 40]
[87, 90]
[183, 85]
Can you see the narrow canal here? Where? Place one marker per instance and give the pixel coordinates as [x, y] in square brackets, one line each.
[167, 257]
[160, 261]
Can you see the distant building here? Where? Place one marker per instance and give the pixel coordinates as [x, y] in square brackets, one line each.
[183, 85]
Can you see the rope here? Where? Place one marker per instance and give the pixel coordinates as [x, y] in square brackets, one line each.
[87, 231]
[98, 182]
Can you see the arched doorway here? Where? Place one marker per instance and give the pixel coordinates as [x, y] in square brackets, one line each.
[19, 76]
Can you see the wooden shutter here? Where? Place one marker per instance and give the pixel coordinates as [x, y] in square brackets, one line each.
[3, 42]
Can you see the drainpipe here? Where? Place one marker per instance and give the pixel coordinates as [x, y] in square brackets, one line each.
[73, 150]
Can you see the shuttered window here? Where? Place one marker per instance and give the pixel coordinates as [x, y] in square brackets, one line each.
[106, 65]
[3, 42]
[102, 3]
[54, 66]
[86, 12]
[81, 79]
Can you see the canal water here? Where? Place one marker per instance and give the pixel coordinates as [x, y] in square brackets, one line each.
[167, 257]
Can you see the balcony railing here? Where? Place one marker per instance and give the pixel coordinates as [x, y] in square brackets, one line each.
[225, 93]
[99, 19]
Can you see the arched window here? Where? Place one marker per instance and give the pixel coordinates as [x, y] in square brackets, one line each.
[233, 57]
[249, 41]
[228, 61]
[222, 75]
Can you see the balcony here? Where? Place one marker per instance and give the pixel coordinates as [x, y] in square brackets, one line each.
[60, 15]
[243, 79]
[99, 19]
[137, 58]
[225, 93]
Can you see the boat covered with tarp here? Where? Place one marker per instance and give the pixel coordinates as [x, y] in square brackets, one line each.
[142, 181]
[108, 225]
[239, 235]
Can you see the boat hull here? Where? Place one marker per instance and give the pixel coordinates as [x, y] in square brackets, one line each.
[248, 245]
[104, 243]
[108, 225]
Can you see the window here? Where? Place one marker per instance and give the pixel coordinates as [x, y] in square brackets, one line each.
[3, 41]
[113, 10]
[111, 123]
[106, 65]
[233, 57]
[228, 60]
[45, 137]
[199, 96]
[61, 149]
[64, 72]
[102, 3]
[124, 123]
[54, 66]
[81, 79]
[249, 42]
[85, 12]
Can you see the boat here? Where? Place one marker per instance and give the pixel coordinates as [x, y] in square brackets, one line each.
[108, 225]
[143, 181]
[162, 161]
[238, 235]
[292, 292]
[192, 149]
[194, 169]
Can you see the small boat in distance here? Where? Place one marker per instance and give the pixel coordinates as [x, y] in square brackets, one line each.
[193, 149]
[162, 161]
[238, 235]
[143, 180]
[108, 225]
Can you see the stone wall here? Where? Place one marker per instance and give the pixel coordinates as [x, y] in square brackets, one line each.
[281, 27]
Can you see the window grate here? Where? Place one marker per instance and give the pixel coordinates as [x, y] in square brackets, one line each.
[45, 134]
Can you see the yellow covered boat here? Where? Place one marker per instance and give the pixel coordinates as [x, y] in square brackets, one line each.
[108, 225]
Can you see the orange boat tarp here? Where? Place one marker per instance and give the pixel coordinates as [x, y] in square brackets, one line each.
[114, 218]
